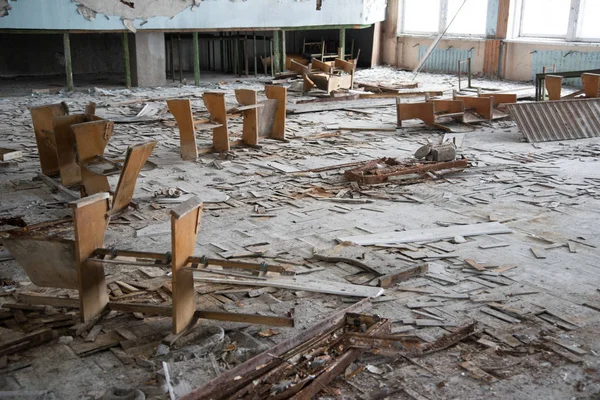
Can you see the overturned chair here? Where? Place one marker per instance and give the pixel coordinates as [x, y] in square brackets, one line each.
[260, 119]
[79, 264]
[55, 140]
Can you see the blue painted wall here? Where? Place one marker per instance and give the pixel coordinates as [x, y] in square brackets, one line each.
[216, 14]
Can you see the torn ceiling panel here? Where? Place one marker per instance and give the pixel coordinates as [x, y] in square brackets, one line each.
[134, 9]
[4, 7]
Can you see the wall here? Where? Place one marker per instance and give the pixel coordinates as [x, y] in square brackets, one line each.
[42, 54]
[525, 59]
[209, 14]
[446, 55]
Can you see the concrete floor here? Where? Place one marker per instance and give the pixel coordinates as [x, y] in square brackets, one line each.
[547, 193]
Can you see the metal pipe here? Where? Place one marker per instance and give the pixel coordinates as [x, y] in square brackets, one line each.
[500, 59]
[276, 51]
[469, 72]
[283, 52]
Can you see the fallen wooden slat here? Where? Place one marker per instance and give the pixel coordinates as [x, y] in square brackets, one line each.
[394, 277]
[426, 235]
[309, 285]
[230, 381]
[166, 311]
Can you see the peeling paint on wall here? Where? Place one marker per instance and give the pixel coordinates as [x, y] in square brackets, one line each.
[134, 9]
[86, 12]
[4, 7]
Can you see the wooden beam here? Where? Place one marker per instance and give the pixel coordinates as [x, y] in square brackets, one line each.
[185, 219]
[90, 220]
[484, 106]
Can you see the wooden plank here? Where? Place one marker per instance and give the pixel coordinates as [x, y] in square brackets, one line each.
[340, 105]
[501, 98]
[426, 235]
[553, 85]
[70, 173]
[215, 104]
[248, 97]
[306, 284]
[484, 106]
[423, 111]
[182, 111]
[395, 277]
[279, 93]
[185, 220]
[44, 134]
[321, 66]
[134, 161]
[9, 154]
[266, 118]
[91, 139]
[90, 217]
[47, 262]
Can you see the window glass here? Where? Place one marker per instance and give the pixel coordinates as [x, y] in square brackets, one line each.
[421, 16]
[472, 18]
[545, 18]
[589, 18]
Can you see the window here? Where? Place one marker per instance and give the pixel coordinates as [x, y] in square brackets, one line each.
[472, 18]
[432, 17]
[421, 16]
[589, 24]
[545, 18]
[571, 20]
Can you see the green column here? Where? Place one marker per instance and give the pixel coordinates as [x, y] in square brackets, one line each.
[68, 66]
[343, 43]
[125, 42]
[283, 56]
[196, 60]
[276, 52]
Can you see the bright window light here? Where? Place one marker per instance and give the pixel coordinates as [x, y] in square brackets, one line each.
[588, 17]
[545, 18]
[472, 18]
[421, 16]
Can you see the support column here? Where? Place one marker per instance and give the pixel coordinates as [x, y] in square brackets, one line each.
[276, 52]
[390, 34]
[125, 42]
[196, 60]
[149, 63]
[283, 52]
[342, 48]
[68, 65]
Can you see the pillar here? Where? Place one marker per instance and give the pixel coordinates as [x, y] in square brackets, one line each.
[342, 48]
[125, 43]
[276, 52]
[196, 60]
[68, 65]
[149, 59]
[283, 53]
